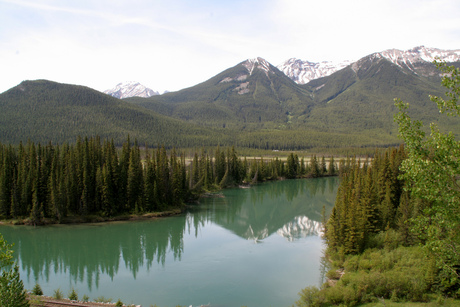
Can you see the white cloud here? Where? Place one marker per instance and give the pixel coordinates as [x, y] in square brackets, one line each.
[168, 45]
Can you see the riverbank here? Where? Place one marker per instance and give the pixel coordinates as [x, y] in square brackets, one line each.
[91, 219]
[88, 219]
[40, 301]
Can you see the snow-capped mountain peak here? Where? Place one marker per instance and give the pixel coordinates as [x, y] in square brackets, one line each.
[413, 59]
[131, 89]
[420, 54]
[303, 72]
[410, 58]
[259, 63]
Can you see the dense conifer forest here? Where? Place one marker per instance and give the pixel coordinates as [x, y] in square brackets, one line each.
[93, 177]
[377, 242]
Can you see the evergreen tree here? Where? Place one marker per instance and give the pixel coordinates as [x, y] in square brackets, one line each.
[323, 166]
[135, 180]
[332, 169]
[291, 167]
[123, 174]
[12, 292]
[220, 164]
[314, 167]
[149, 185]
[6, 180]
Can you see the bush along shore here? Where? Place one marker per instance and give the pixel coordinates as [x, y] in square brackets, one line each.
[376, 250]
[93, 181]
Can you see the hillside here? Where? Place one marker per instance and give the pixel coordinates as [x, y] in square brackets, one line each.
[353, 106]
[251, 95]
[46, 111]
[360, 97]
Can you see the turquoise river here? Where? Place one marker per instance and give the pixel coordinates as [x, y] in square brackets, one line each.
[252, 247]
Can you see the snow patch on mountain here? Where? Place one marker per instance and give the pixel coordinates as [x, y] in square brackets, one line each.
[303, 72]
[131, 89]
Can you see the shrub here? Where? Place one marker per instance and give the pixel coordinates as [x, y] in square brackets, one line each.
[37, 290]
[398, 275]
[119, 303]
[102, 299]
[58, 294]
[73, 296]
[308, 297]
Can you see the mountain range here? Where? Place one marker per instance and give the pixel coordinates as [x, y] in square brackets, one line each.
[303, 72]
[253, 104]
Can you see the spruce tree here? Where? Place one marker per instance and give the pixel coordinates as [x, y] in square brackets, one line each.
[331, 170]
[12, 292]
[135, 180]
[314, 167]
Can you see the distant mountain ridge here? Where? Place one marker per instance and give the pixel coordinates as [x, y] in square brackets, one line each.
[131, 89]
[252, 104]
[357, 100]
[419, 54]
[45, 111]
[413, 59]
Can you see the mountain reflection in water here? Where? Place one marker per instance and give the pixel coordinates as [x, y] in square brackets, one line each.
[291, 209]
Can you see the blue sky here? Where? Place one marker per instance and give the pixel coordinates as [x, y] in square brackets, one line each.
[173, 44]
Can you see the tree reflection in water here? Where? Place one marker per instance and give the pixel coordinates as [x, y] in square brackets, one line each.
[291, 208]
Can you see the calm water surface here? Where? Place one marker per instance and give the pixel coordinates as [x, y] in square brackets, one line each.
[252, 247]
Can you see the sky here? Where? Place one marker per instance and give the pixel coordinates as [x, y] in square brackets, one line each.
[174, 44]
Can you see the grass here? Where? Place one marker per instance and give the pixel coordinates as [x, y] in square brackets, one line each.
[449, 302]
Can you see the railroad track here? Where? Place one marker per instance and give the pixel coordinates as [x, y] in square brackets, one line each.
[50, 302]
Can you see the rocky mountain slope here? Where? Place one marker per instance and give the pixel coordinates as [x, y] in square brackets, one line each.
[303, 72]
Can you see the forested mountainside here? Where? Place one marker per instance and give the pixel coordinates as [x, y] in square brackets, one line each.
[252, 104]
[251, 95]
[357, 100]
[45, 111]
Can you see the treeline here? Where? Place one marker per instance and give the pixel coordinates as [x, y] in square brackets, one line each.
[301, 139]
[93, 177]
[377, 241]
